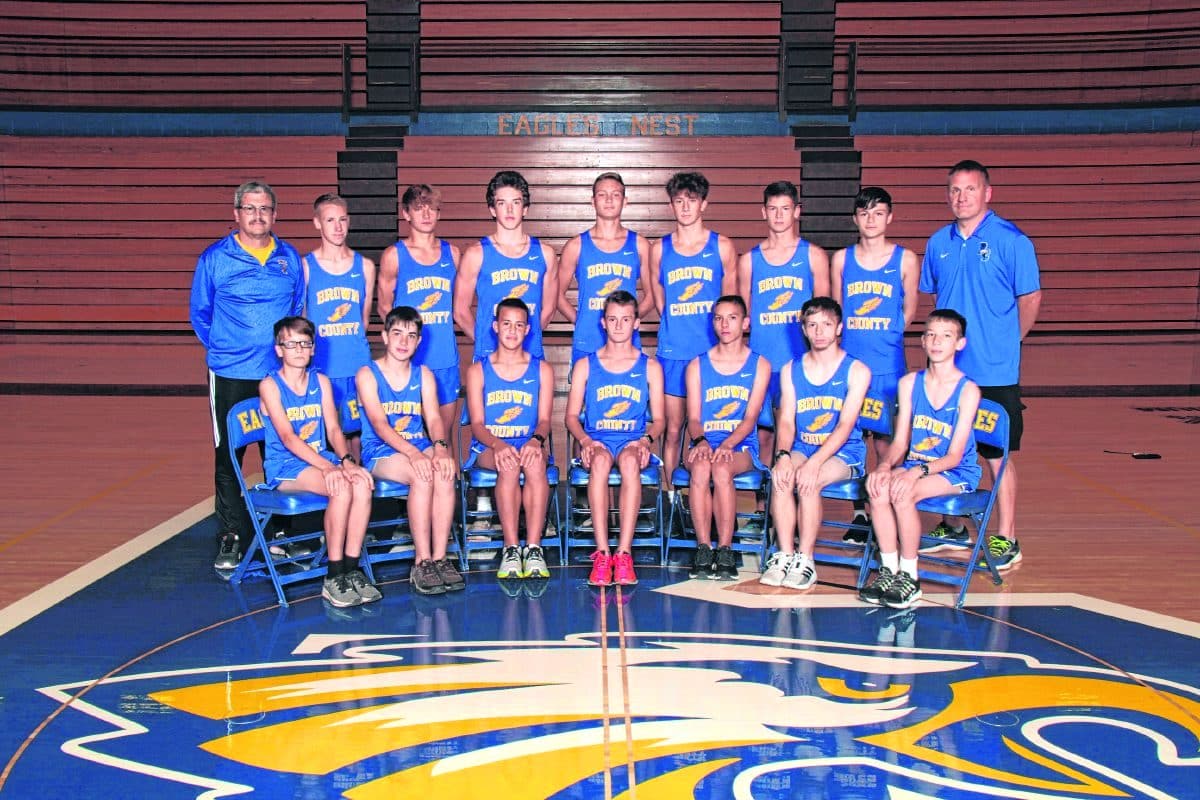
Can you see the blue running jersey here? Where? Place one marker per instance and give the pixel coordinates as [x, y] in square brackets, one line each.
[598, 274]
[933, 428]
[777, 291]
[501, 277]
[510, 408]
[335, 306]
[723, 402]
[818, 409]
[616, 404]
[429, 288]
[873, 313]
[403, 408]
[691, 285]
[307, 420]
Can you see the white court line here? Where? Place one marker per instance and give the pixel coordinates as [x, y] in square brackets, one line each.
[51, 594]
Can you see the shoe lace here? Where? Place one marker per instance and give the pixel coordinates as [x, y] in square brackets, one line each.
[725, 557]
[534, 552]
[343, 583]
[600, 557]
[512, 554]
[623, 561]
[779, 561]
[704, 555]
[884, 579]
[998, 545]
[903, 583]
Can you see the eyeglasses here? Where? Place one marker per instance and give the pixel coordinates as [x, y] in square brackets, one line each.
[303, 344]
[266, 211]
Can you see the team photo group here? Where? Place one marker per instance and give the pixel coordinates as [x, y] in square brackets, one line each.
[763, 362]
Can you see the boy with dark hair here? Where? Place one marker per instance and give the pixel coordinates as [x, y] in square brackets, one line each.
[932, 454]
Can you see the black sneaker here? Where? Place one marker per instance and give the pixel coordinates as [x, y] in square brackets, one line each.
[229, 552]
[944, 537]
[726, 567]
[873, 592]
[702, 562]
[857, 534]
[904, 591]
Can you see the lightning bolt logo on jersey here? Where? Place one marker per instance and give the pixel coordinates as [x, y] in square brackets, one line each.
[819, 409]
[306, 417]
[873, 330]
[335, 304]
[501, 277]
[723, 400]
[510, 408]
[429, 288]
[404, 412]
[691, 284]
[778, 291]
[616, 404]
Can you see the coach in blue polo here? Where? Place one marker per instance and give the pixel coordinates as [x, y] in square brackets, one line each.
[985, 268]
[243, 284]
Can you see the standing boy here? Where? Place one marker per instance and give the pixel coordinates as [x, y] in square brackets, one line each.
[509, 399]
[618, 393]
[725, 390]
[303, 425]
[419, 271]
[689, 269]
[821, 395]
[404, 441]
[932, 454]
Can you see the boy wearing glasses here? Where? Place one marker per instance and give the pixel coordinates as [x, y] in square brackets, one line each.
[339, 285]
[242, 285]
[298, 404]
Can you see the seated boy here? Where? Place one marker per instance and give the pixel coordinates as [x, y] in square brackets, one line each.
[509, 398]
[932, 454]
[619, 392]
[404, 440]
[726, 387]
[821, 394]
[299, 404]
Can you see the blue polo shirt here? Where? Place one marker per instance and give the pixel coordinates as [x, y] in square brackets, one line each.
[981, 278]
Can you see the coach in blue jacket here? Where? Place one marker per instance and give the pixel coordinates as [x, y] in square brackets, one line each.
[243, 284]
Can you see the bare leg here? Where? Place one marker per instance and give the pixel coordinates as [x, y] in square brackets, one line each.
[630, 499]
[536, 497]
[725, 497]
[399, 468]
[598, 496]
[676, 410]
[701, 500]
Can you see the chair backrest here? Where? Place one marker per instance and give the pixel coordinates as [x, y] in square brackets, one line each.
[245, 424]
[876, 415]
[991, 426]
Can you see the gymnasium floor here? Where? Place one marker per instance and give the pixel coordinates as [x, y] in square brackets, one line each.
[130, 670]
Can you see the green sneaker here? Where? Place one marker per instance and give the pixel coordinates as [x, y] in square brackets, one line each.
[943, 537]
[1003, 552]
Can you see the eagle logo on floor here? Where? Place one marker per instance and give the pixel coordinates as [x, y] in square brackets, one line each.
[709, 715]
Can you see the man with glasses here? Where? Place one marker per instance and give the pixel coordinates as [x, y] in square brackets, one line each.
[243, 284]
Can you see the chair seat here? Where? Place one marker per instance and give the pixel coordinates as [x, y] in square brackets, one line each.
[578, 475]
[386, 488]
[750, 480]
[286, 503]
[849, 489]
[480, 478]
[957, 505]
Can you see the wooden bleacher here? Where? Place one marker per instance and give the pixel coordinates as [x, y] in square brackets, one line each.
[102, 234]
[1113, 216]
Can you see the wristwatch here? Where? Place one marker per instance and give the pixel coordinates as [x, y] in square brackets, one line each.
[924, 469]
[696, 442]
[442, 442]
[349, 457]
[780, 454]
[648, 438]
[541, 440]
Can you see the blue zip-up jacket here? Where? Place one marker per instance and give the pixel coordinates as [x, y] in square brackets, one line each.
[236, 302]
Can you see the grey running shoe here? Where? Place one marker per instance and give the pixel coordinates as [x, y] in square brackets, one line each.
[425, 578]
[534, 563]
[943, 537]
[339, 592]
[510, 563]
[228, 552]
[366, 590]
[450, 575]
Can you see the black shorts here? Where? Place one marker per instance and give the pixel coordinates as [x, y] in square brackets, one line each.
[1009, 398]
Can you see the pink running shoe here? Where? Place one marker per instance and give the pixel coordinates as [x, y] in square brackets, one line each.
[602, 569]
[623, 569]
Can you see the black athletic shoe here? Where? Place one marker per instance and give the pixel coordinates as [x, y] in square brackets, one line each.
[904, 591]
[229, 552]
[726, 568]
[857, 535]
[702, 562]
[873, 592]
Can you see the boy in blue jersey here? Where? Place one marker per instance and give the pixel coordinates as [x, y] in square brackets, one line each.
[689, 269]
[509, 397]
[243, 284]
[403, 441]
[298, 403]
[986, 269]
[875, 280]
[420, 271]
[820, 397]
[726, 387]
[932, 454]
[604, 259]
[615, 412]
[339, 286]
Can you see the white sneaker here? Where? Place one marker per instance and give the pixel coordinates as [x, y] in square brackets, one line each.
[510, 563]
[801, 574]
[535, 563]
[777, 569]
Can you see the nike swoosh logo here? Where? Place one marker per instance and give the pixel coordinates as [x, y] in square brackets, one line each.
[626, 252]
[706, 255]
[414, 387]
[313, 391]
[444, 265]
[355, 274]
[943, 255]
[837, 383]
[796, 264]
[635, 374]
[950, 408]
[744, 375]
[533, 258]
[890, 272]
[529, 380]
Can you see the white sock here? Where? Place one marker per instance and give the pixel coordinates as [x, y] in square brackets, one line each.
[909, 565]
[890, 560]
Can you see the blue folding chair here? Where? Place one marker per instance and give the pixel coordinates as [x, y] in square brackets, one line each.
[647, 533]
[474, 478]
[245, 423]
[991, 428]
[681, 533]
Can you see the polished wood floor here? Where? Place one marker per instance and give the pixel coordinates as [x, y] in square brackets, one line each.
[85, 473]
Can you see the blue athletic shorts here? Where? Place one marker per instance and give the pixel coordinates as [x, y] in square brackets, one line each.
[449, 382]
[675, 376]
